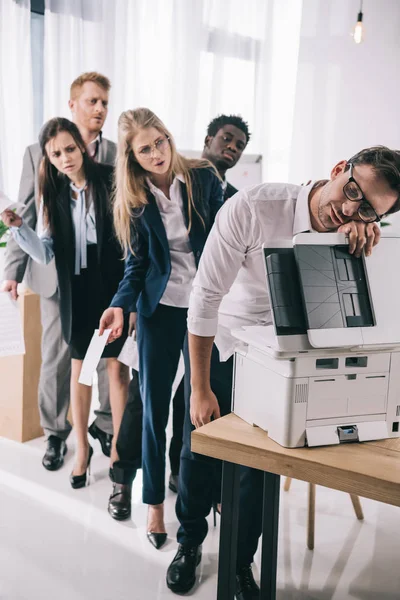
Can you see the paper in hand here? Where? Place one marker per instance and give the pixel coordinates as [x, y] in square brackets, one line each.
[6, 203]
[129, 354]
[11, 335]
[93, 355]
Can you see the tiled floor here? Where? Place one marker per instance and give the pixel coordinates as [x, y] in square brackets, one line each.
[60, 544]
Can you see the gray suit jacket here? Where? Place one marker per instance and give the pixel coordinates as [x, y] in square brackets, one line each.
[41, 279]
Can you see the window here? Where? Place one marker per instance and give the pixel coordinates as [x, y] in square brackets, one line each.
[37, 43]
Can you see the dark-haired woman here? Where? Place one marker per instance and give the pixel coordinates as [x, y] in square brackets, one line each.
[77, 230]
[164, 208]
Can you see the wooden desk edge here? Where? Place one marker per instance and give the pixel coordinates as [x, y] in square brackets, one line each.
[296, 467]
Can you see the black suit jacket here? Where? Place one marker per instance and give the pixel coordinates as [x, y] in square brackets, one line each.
[41, 279]
[109, 253]
[229, 191]
[148, 270]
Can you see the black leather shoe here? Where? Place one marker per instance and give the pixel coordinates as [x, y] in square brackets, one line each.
[119, 503]
[246, 587]
[181, 574]
[104, 438]
[157, 539]
[173, 483]
[54, 455]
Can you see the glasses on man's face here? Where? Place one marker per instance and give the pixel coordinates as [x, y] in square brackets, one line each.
[161, 145]
[354, 193]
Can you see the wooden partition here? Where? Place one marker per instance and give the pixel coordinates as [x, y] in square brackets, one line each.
[19, 378]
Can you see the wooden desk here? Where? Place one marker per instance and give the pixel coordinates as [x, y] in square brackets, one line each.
[370, 469]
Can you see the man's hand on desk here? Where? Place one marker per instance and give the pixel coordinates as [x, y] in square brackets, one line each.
[203, 407]
[10, 285]
[361, 236]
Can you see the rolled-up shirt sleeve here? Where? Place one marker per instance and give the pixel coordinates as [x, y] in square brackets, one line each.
[223, 255]
[39, 247]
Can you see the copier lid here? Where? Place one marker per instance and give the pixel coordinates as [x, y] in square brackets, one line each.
[317, 289]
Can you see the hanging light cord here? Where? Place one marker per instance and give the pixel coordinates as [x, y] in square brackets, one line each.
[360, 14]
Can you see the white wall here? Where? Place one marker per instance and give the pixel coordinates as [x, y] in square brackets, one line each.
[347, 95]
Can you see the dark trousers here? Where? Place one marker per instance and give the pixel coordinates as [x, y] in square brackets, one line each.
[197, 474]
[129, 442]
[160, 341]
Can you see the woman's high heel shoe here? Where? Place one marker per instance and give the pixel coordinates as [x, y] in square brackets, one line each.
[79, 481]
[156, 539]
[215, 507]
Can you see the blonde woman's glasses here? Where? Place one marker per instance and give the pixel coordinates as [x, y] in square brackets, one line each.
[160, 145]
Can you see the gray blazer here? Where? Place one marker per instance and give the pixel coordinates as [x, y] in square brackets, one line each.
[41, 279]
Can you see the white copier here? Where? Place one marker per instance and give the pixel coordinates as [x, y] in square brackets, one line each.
[328, 370]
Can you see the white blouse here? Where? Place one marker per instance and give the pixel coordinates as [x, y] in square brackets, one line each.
[183, 264]
[40, 246]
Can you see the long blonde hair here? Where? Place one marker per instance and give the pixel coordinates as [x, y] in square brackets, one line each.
[130, 196]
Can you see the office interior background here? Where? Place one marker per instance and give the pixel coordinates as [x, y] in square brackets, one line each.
[311, 96]
[291, 68]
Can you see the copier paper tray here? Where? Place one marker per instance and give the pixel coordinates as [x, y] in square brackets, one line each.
[328, 435]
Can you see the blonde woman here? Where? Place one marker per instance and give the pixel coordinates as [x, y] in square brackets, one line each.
[164, 208]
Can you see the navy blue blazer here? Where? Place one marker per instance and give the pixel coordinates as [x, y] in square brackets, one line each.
[147, 271]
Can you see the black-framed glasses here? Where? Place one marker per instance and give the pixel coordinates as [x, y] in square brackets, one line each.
[354, 193]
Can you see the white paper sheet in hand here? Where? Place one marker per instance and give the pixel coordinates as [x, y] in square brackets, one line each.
[11, 334]
[93, 355]
[129, 354]
[5, 203]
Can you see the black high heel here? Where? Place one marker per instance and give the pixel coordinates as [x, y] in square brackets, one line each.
[79, 481]
[156, 539]
[215, 511]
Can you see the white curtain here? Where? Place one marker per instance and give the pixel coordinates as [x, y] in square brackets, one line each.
[16, 100]
[187, 60]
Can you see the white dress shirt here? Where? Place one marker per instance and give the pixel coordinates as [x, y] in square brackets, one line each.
[39, 245]
[183, 265]
[230, 288]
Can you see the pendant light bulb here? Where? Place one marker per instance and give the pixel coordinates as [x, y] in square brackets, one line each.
[358, 34]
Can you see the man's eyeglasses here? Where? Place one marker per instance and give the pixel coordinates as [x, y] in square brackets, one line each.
[354, 193]
[146, 153]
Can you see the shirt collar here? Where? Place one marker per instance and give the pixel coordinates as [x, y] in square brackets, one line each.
[224, 184]
[154, 189]
[98, 139]
[76, 189]
[93, 147]
[302, 220]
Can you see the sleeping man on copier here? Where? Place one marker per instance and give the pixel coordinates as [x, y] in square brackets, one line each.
[230, 292]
